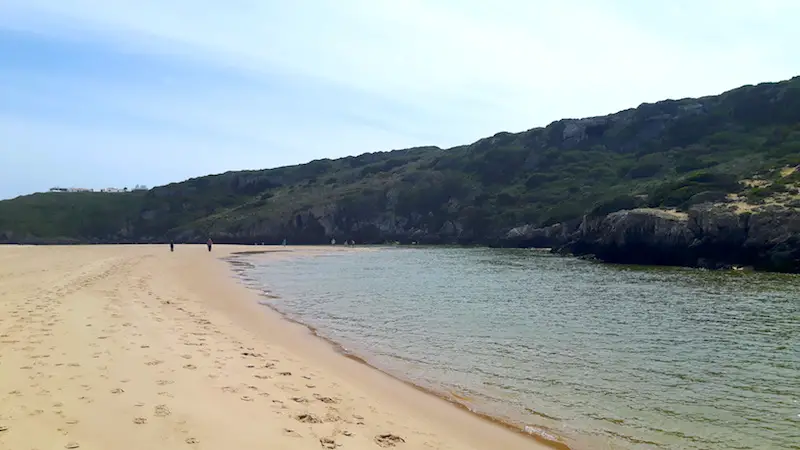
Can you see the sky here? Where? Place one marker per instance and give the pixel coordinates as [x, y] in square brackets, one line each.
[116, 93]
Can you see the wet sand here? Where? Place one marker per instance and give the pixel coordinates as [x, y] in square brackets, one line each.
[132, 347]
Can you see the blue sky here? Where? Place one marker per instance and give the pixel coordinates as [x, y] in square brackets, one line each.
[117, 93]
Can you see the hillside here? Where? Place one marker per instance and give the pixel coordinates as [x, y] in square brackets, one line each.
[738, 148]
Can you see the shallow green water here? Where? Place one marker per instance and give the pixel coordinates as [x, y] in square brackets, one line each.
[599, 356]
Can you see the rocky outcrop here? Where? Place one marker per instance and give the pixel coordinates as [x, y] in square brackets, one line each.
[529, 236]
[712, 236]
[646, 236]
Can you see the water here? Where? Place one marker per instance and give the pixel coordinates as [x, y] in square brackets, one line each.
[599, 356]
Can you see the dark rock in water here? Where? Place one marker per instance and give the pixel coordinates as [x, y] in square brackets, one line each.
[643, 236]
[710, 236]
[528, 236]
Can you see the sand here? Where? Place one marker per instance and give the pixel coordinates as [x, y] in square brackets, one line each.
[134, 347]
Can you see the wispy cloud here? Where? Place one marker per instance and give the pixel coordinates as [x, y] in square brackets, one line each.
[124, 92]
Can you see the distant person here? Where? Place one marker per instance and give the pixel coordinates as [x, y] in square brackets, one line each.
[171, 246]
[209, 243]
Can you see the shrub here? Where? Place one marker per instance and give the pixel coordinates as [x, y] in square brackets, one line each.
[616, 204]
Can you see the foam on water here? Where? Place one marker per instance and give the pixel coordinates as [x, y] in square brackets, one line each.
[591, 354]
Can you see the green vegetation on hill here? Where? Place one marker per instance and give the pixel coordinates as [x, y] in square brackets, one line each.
[670, 154]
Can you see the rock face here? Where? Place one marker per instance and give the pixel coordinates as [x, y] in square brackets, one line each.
[708, 236]
[642, 235]
[319, 227]
[528, 236]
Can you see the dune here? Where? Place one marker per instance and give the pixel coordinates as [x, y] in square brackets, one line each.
[134, 347]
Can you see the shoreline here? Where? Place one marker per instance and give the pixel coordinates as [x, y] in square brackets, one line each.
[132, 347]
[237, 258]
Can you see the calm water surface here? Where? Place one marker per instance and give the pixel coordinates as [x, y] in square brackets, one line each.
[599, 356]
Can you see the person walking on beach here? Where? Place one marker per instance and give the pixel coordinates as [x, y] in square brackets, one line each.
[209, 243]
[171, 246]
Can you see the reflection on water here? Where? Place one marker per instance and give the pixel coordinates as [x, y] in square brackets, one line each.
[604, 356]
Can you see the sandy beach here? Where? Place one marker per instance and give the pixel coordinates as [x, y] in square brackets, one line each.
[134, 347]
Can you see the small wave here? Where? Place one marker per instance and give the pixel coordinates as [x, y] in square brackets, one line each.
[545, 435]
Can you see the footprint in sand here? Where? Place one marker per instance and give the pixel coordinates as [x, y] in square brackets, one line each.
[247, 398]
[287, 387]
[327, 443]
[388, 440]
[72, 445]
[291, 433]
[161, 411]
[332, 416]
[300, 399]
[190, 367]
[308, 418]
[192, 440]
[164, 382]
[139, 420]
[323, 399]
[117, 391]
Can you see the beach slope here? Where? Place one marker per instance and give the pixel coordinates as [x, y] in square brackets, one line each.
[133, 347]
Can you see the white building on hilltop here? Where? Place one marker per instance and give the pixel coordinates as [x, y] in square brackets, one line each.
[108, 190]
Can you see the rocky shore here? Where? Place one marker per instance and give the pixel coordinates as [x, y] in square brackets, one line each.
[709, 236]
